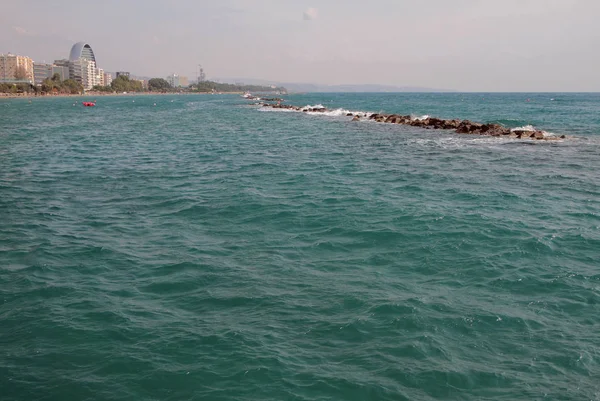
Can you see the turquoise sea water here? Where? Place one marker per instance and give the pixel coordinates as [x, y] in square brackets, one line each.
[202, 249]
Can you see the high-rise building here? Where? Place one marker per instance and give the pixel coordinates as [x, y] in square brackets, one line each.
[41, 72]
[15, 68]
[177, 81]
[44, 71]
[107, 78]
[62, 71]
[82, 65]
[62, 63]
[82, 50]
[100, 77]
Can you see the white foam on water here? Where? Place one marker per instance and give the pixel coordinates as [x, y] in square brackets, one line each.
[531, 128]
[329, 113]
[421, 118]
[270, 109]
[332, 113]
[525, 128]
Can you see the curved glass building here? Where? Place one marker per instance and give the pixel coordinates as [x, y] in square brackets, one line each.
[82, 50]
[82, 65]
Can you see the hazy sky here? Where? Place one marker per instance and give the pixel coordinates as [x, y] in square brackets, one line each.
[471, 45]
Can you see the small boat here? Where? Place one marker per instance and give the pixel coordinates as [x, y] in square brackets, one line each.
[88, 104]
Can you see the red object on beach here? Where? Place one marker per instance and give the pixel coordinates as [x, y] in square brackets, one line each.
[88, 104]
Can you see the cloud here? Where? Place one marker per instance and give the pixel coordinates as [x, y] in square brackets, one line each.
[23, 31]
[311, 14]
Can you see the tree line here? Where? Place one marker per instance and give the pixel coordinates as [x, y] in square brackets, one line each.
[162, 85]
[53, 85]
[121, 84]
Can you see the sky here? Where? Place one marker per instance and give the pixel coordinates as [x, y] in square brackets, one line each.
[465, 45]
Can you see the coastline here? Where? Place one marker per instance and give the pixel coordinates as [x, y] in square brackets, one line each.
[98, 94]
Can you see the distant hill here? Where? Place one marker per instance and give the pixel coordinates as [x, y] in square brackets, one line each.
[307, 87]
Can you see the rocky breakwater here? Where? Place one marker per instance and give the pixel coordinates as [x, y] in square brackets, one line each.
[459, 126]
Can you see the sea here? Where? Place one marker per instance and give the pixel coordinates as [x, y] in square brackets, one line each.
[201, 247]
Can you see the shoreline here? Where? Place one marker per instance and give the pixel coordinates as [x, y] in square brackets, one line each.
[98, 94]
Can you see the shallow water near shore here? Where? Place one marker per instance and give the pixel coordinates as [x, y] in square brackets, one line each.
[202, 248]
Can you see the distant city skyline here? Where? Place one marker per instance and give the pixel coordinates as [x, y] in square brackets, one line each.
[466, 45]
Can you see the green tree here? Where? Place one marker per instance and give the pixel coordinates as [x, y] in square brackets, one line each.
[124, 84]
[135, 86]
[71, 86]
[55, 77]
[24, 87]
[120, 84]
[48, 85]
[99, 88]
[158, 85]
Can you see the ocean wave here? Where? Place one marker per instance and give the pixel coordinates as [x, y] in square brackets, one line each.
[530, 128]
[340, 112]
[421, 118]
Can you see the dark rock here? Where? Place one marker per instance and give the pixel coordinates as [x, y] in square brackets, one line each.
[349, 115]
[464, 127]
[523, 134]
[356, 118]
[563, 137]
[436, 123]
[475, 128]
[538, 135]
[451, 124]
[494, 130]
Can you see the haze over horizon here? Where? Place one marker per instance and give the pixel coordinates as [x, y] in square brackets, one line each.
[465, 45]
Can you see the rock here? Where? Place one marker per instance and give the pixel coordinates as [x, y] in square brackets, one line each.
[373, 116]
[356, 118]
[563, 137]
[475, 128]
[419, 123]
[349, 115]
[451, 124]
[392, 118]
[538, 135]
[523, 133]
[494, 130]
[464, 127]
[436, 123]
